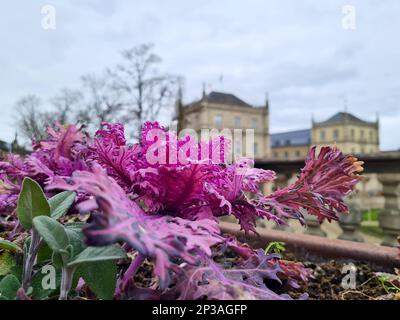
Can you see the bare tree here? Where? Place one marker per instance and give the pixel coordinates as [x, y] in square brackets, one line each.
[145, 91]
[30, 119]
[133, 92]
[64, 105]
[102, 103]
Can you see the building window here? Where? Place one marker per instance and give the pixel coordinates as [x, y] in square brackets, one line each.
[254, 123]
[218, 120]
[352, 134]
[371, 136]
[255, 148]
[297, 153]
[236, 121]
[276, 155]
[287, 142]
[286, 155]
[362, 134]
[336, 134]
[322, 135]
[277, 143]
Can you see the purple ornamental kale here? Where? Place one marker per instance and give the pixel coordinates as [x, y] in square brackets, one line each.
[55, 158]
[160, 237]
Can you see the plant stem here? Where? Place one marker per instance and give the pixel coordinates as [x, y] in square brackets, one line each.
[29, 259]
[67, 274]
[130, 272]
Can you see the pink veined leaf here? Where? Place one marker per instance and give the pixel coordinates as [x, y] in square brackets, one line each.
[112, 133]
[118, 218]
[62, 140]
[323, 183]
[110, 150]
[228, 195]
[169, 176]
[293, 272]
[52, 159]
[245, 281]
[13, 168]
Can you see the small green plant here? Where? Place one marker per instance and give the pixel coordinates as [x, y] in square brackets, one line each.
[275, 247]
[390, 282]
[96, 265]
[52, 243]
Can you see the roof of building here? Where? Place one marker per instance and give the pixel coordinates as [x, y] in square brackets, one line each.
[225, 98]
[221, 98]
[341, 117]
[291, 138]
[5, 146]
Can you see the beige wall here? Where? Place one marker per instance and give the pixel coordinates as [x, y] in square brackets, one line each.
[217, 116]
[290, 152]
[349, 138]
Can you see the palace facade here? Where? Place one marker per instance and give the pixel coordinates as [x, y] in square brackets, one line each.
[218, 110]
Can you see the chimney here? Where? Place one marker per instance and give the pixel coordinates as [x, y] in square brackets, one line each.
[179, 110]
[204, 95]
[267, 101]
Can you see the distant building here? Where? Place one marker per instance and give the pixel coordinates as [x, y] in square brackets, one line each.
[4, 147]
[348, 132]
[220, 110]
[291, 145]
[13, 147]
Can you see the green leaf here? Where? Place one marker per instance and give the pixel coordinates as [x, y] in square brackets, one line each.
[52, 232]
[93, 254]
[31, 203]
[9, 246]
[57, 260]
[60, 203]
[101, 277]
[275, 247]
[17, 272]
[44, 253]
[75, 237]
[9, 286]
[7, 262]
[39, 293]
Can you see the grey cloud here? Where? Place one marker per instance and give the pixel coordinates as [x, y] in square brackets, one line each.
[296, 50]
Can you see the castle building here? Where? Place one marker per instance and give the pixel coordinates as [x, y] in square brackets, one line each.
[218, 110]
[348, 132]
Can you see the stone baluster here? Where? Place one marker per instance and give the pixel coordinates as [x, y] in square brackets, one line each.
[351, 222]
[313, 227]
[389, 217]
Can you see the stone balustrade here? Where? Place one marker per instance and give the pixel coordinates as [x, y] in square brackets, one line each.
[350, 224]
[385, 169]
[389, 217]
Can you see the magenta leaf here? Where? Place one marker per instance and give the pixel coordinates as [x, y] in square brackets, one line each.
[323, 183]
[160, 237]
[245, 281]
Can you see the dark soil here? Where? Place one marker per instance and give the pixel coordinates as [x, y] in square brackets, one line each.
[328, 276]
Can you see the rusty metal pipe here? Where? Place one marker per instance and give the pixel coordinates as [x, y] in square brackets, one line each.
[322, 247]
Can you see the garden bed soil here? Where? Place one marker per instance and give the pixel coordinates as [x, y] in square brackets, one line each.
[325, 284]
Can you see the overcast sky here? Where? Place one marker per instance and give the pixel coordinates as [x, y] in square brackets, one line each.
[296, 50]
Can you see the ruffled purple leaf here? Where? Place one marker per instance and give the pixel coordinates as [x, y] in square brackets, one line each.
[323, 183]
[243, 282]
[160, 237]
